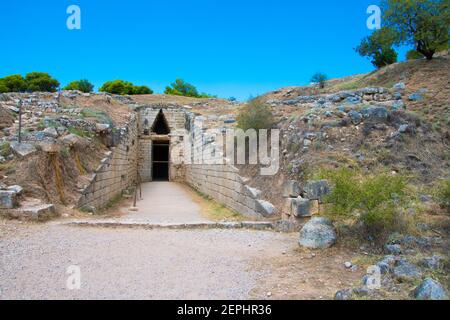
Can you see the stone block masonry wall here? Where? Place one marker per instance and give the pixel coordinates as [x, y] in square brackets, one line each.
[117, 172]
[222, 182]
[145, 159]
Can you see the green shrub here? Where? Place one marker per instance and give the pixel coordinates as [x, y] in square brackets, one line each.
[142, 90]
[41, 81]
[443, 194]
[372, 200]
[81, 85]
[255, 115]
[5, 149]
[99, 116]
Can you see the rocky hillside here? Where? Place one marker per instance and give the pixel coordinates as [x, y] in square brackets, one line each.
[395, 119]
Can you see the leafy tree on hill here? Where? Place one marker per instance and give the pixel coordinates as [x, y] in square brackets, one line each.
[378, 47]
[182, 88]
[81, 85]
[142, 90]
[421, 23]
[13, 83]
[319, 79]
[124, 87]
[41, 81]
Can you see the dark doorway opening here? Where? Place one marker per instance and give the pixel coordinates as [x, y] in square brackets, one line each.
[160, 126]
[160, 161]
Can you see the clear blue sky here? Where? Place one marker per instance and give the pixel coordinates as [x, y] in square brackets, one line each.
[229, 47]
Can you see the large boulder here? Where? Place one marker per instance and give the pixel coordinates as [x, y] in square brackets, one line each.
[430, 289]
[318, 233]
[375, 114]
[72, 140]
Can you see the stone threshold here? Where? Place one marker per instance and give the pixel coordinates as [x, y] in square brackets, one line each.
[250, 225]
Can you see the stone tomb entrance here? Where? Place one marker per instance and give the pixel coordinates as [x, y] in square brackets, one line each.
[161, 130]
[160, 159]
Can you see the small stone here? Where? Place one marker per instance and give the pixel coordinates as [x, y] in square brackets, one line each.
[434, 262]
[269, 294]
[344, 294]
[348, 264]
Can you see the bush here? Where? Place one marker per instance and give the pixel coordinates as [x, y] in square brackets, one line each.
[443, 194]
[124, 87]
[255, 115]
[319, 79]
[41, 81]
[373, 201]
[81, 85]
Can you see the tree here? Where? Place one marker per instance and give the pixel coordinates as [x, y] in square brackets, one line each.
[414, 55]
[182, 88]
[255, 115]
[421, 23]
[124, 87]
[378, 47]
[319, 79]
[41, 81]
[142, 90]
[13, 83]
[81, 85]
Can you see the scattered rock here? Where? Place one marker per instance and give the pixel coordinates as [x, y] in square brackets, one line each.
[387, 264]
[430, 289]
[434, 262]
[355, 116]
[317, 234]
[375, 114]
[72, 140]
[393, 249]
[51, 132]
[415, 97]
[406, 271]
[399, 86]
[344, 294]
[348, 264]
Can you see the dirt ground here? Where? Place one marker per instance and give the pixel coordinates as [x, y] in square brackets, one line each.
[165, 264]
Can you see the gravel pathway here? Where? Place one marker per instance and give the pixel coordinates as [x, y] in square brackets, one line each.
[134, 264]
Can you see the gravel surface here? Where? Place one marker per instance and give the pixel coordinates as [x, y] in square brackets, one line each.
[135, 264]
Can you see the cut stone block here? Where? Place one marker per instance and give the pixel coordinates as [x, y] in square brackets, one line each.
[252, 192]
[8, 199]
[301, 207]
[316, 190]
[291, 189]
[265, 208]
[23, 150]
